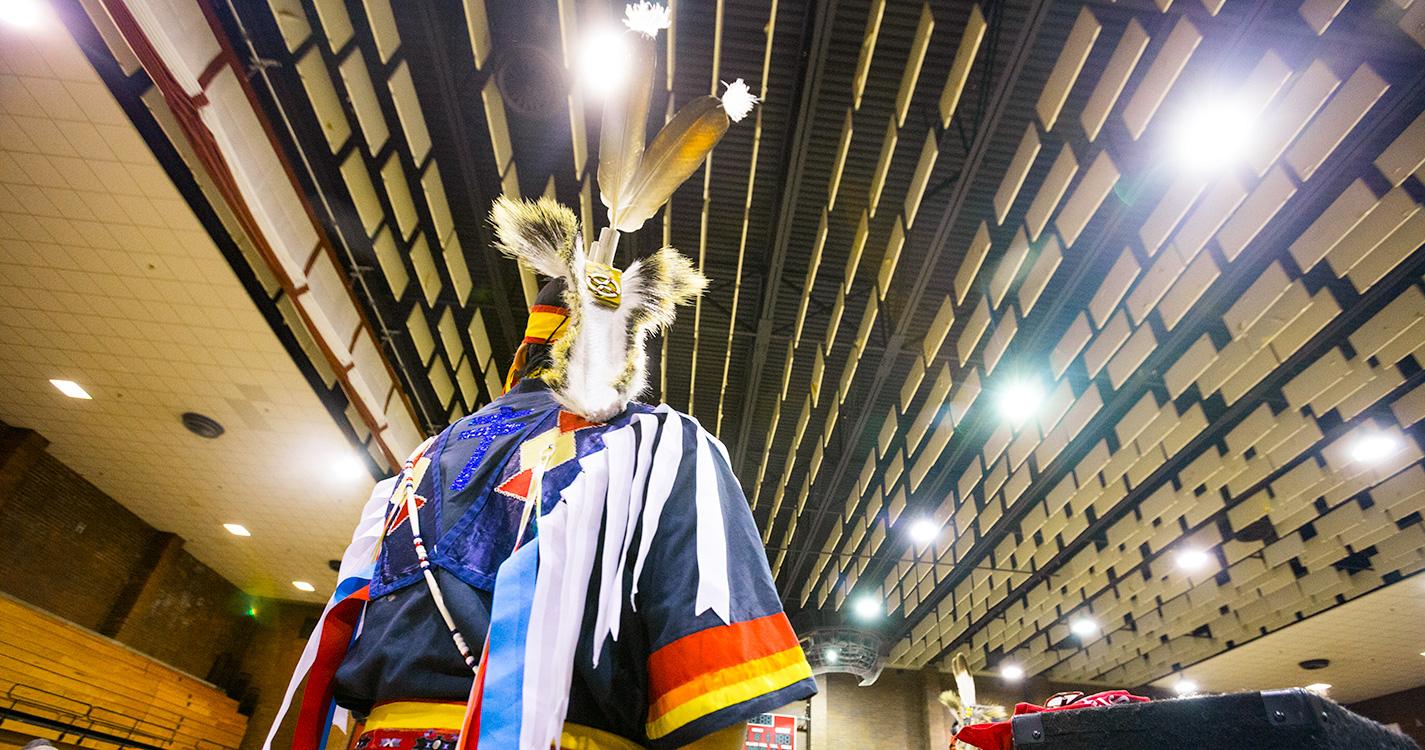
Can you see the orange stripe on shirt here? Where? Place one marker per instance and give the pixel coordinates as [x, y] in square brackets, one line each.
[703, 653]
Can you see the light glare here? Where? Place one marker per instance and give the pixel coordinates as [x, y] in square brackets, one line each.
[22, 13]
[68, 387]
[1213, 134]
[605, 64]
[1319, 688]
[1373, 447]
[1185, 687]
[349, 468]
[237, 529]
[304, 586]
[1083, 626]
[867, 608]
[1020, 399]
[831, 656]
[924, 531]
[1012, 672]
[1192, 559]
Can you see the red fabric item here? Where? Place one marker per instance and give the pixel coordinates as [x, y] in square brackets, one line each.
[1000, 736]
[335, 637]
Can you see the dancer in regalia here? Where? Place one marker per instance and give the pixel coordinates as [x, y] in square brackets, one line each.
[566, 567]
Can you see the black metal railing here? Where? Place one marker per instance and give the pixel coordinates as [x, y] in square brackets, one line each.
[50, 710]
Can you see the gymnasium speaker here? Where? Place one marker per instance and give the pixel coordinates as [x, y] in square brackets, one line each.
[1293, 719]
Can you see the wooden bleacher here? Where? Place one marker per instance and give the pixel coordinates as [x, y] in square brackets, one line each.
[62, 674]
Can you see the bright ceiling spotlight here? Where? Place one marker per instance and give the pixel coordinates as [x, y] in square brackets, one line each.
[605, 64]
[237, 529]
[1185, 687]
[1192, 559]
[1213, 134]
[1373, 447]
[1319, 688]
[304, 586]
[1083, 626]
[830, 655]
[1020, 399]
[22, 13]
[349, 468]
[1012, 672]
[867, 608]
[68, 387]
[924, 531]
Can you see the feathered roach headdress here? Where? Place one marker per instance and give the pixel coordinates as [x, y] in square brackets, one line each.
[597, 366]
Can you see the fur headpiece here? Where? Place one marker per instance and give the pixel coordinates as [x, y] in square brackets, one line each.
[597, 367]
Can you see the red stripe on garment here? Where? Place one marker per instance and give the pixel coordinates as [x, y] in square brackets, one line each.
[336, 634]
[707, 651]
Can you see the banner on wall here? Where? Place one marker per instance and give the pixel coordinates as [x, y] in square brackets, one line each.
[772, 732]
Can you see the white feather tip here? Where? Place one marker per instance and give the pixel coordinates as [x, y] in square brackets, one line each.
[738, 100]
[647, 18]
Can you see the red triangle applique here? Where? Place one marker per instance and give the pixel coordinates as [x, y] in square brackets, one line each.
[518, 485]
[569, 422]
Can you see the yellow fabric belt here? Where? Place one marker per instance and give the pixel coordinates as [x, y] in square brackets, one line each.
[398, 715]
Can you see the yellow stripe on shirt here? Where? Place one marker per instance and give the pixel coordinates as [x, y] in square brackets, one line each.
[416, 715]
[730, 694]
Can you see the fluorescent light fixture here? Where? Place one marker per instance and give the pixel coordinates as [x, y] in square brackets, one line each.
[605, 64]
[1020, 399]
[1376, 446]
[1012, 672]
[304, 586]
[68, 387]
[237, 529]
[1213, 134]
[22, 13]
[1192, 559]
[1083, 626]
[1185, 687]
[867, 608]
[924, 531]
[830, 655]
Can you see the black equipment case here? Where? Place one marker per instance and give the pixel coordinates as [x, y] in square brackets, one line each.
[1293, 719]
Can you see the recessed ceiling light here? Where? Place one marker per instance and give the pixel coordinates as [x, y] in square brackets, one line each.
[1192, 559]
[67, 387]
[1319, 687]
[1185, 687]
[868, 608]
[1020, 399]
[237, 529]
[1374, 447]
[1083, 626]
[22, 13]
[924, 531]
[1012, 672]
[830, 655]
[1213, 134]
[304, 586]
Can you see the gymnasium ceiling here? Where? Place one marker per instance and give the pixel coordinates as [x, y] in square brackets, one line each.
[935, 202]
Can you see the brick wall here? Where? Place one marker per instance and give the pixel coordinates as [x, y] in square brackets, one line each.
[890, 713]
[276, 645]
[66, 547]
[71, 550]
[1406, 708]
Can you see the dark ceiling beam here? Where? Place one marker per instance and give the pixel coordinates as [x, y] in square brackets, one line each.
[984, 136]
[820, 17]
[448, 105]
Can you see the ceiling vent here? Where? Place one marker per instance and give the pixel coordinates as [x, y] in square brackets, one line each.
[202, 425]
